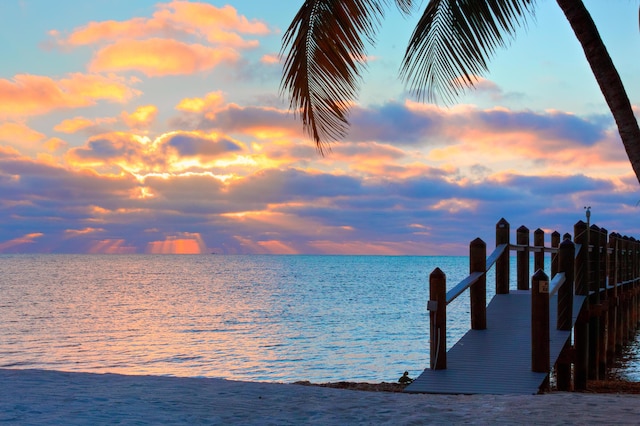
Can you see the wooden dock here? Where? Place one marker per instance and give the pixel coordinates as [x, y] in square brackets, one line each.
[571, 324]
[497, 360]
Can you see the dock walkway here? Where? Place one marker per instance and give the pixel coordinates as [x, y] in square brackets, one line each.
[497, 360]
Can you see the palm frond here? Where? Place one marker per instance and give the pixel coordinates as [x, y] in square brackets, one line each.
[325, 54]
[453, 41]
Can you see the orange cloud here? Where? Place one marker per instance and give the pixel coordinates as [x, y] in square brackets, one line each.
[175, 20]
[73, 125]
[207, 17]
[159, 57]
[142, 117]
[28, 95]
[211, 102]
[54, 144]
[20, 135]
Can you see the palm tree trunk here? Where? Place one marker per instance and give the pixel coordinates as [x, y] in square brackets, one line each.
[607, 77]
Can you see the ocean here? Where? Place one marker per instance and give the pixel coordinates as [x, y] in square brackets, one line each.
[266, 318]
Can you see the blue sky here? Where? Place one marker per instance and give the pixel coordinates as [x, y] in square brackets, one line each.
[158, 127]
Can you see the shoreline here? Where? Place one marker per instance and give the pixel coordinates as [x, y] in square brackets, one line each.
[41, 397]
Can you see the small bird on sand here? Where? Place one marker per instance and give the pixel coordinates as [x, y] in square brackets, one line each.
[405, 379]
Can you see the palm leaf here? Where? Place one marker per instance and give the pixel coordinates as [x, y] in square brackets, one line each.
[453, 41]
[326, 53]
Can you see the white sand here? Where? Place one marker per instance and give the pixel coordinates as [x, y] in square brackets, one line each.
[35, 397]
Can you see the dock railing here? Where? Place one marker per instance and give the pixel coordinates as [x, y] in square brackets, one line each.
[605, 271]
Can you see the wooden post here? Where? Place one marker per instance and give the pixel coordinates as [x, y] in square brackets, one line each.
[595, 307]
[604, 303]
[438, 319]
[633, 248]
[540, 322]
[624, 294]
[632, 286]
[566, 254]
[565, 260]
[612, 265]
[538, 256]
[502, 264]
[581, 330]
[522, 239]
[478, 291]
[555, 243]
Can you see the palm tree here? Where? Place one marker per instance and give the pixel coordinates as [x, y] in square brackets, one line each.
[324, 54]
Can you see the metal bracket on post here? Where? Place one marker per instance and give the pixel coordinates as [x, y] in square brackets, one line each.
[432, 305]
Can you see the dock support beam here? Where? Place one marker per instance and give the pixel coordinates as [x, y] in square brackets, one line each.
[565, 264]
[438, 319]
[540, 322]
[522, 257]
[502, 264]
[478, 291]
[581, 329]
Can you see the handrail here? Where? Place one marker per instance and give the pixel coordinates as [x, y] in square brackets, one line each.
[533, 249]
[557, 281]
[474, 276]
[463, 285]
[495, 255]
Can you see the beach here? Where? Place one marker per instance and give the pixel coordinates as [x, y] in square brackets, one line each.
[38, 397]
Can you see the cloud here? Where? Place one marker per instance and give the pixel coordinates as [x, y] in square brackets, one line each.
[6, 246]
[30, 95]
[270, 59]
[267, 123]
[159, 57]
[277, 209]
[20, 136]
[55, 144]
[412, 123]
[275, 186]
[173, 152]
[209, 103]
[197, 145]
[76, 124]
[141, 118]
[174, 20]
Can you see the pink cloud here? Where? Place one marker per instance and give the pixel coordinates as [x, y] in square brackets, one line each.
[271, 59]
[26, 239]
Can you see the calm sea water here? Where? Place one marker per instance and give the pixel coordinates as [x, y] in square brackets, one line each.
[261, 318]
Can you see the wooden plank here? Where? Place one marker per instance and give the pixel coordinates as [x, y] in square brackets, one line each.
[496, 360]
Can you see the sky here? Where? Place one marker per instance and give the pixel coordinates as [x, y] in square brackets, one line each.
[160, 127]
